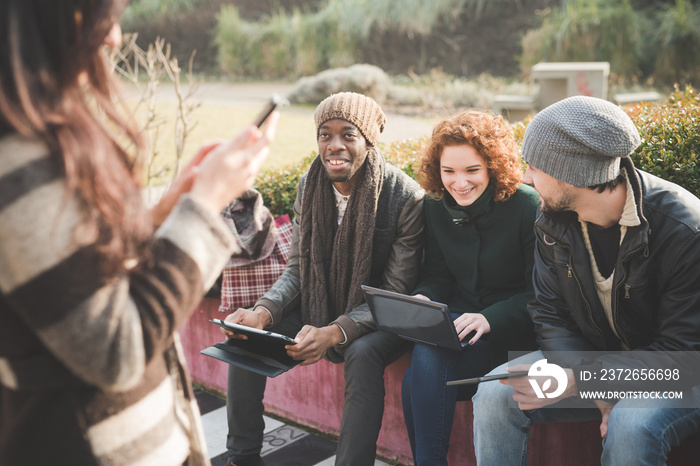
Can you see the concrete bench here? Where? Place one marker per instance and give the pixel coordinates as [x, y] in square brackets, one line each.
[636, 97]
[556, 81]
[559, 80]
[513, 107]
[313, 396]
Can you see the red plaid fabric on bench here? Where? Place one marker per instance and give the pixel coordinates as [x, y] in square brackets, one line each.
[243, 285]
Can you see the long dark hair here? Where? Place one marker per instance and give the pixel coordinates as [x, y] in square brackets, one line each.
[47, 50]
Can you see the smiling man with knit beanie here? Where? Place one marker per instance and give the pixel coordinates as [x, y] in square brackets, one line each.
[357, 221]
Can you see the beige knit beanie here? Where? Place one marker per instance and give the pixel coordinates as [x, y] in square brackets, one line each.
[358, 109]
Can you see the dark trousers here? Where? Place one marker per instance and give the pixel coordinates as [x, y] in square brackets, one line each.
[365, 360]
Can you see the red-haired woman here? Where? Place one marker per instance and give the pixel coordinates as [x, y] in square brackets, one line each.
[478, 260]
[91, 293]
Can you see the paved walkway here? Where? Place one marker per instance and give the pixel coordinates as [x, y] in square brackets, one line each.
[283, 444]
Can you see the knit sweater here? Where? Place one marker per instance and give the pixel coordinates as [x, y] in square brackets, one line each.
[479, 259]
[89, 372]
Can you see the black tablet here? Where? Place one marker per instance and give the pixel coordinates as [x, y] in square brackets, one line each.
[253, 332]
[413, 319]
[486, 378]
[262, 352]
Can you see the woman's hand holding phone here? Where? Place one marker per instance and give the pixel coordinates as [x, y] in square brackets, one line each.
[275, 101]
[230, 168]
[182, 184]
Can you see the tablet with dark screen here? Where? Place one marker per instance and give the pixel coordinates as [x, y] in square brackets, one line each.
[253, 332]
[263, 352]
[413, 319]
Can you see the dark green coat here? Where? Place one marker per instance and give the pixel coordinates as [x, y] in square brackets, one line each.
[479, 258]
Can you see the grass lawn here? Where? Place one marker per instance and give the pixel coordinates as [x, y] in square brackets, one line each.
[295, 137]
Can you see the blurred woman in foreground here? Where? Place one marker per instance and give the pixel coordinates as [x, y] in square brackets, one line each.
[91, 293]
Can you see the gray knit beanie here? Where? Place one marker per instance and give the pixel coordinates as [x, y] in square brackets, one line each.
[580, 140]
[358, 109]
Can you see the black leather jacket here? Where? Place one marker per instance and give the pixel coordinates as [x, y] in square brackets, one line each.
[656, 289]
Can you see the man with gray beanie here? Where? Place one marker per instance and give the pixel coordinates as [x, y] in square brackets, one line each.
[617, 292]
[357, 221]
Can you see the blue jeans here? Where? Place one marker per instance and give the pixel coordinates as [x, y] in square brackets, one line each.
[429, 404]
[636, 436]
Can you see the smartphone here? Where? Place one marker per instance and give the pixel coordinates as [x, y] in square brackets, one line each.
[486, 378]
[275, 101]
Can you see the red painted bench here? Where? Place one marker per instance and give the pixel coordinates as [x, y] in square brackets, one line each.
[313, 396]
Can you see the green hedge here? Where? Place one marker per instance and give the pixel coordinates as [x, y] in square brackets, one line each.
[670, 149]
[279, 187]
[670, 131]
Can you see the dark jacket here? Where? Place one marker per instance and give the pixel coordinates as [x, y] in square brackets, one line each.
[656, 288]
[479, 259]
[396, 253]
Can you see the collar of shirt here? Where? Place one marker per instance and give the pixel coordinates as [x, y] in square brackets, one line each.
[341, 202]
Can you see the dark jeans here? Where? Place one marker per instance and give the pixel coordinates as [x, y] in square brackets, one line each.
[429, 404]
[365, 360]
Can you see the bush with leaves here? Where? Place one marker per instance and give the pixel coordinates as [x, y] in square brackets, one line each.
[676, 42]
[670, 132]
[589, 30]
[658, 41]
[185, 24]
[405, 154]
[338, 33]
[278, 188]
[281, 46]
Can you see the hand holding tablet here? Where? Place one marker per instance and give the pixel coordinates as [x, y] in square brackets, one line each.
[256, 350]
[251, 331]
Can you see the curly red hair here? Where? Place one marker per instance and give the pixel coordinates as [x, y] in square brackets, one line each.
[491, 136]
